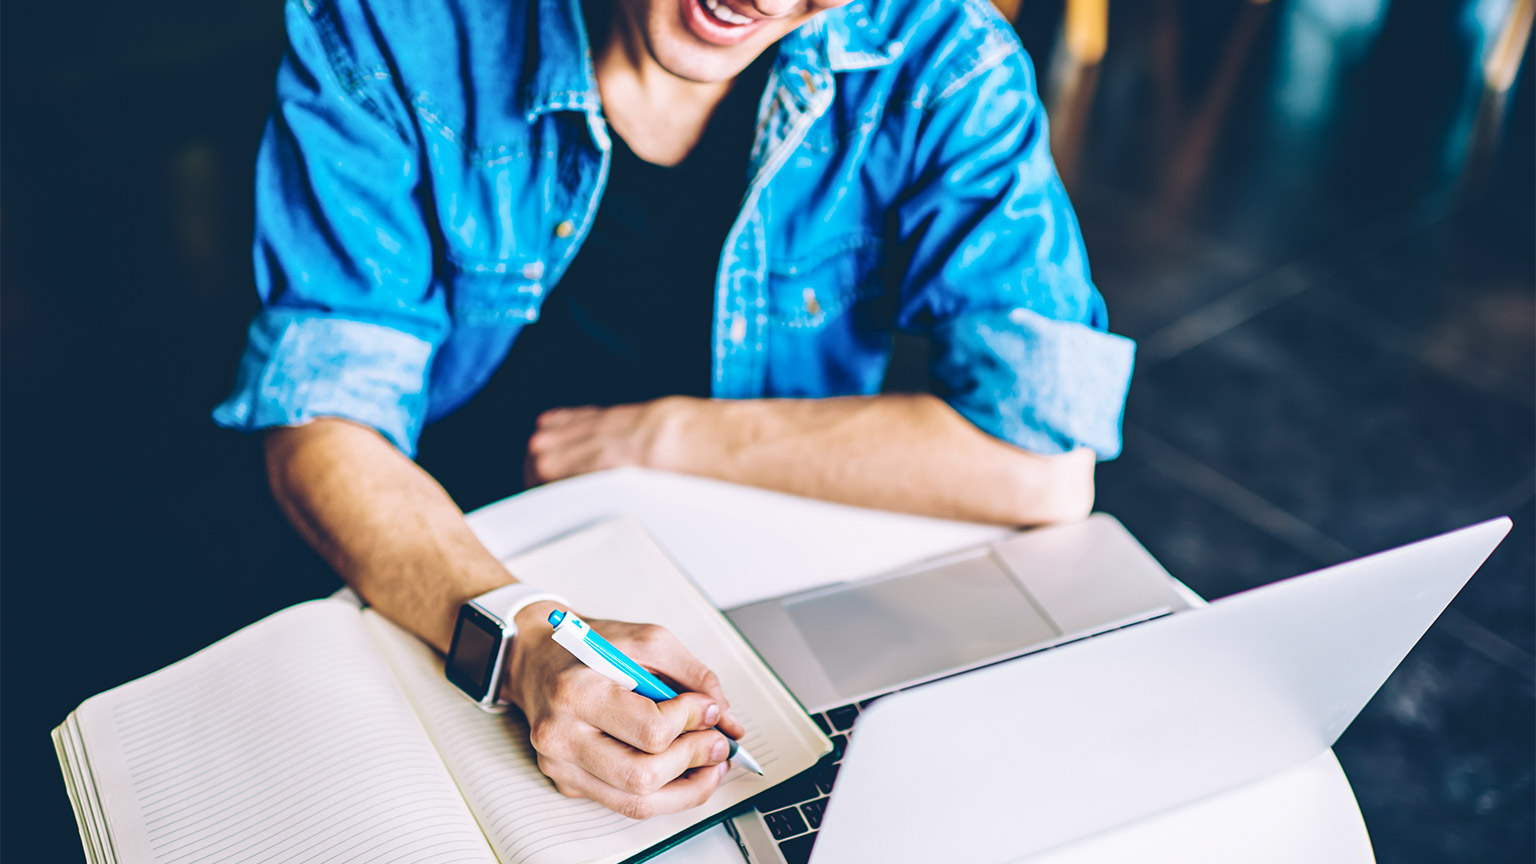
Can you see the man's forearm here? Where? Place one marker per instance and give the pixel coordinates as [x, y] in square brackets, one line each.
[382, 522]
[909, 453]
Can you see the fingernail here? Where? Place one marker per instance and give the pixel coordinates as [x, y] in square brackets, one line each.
[721, 750]
[712, 715]
[730, 717]
[724, 767]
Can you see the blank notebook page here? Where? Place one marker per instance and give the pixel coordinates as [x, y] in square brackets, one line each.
[288, 741]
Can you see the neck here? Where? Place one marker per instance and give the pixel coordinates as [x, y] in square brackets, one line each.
[659, 115]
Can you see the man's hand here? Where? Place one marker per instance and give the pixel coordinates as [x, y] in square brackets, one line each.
[597, 740]
[571, 441]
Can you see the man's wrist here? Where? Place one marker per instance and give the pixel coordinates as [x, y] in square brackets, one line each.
[532, 622]
[673, 425]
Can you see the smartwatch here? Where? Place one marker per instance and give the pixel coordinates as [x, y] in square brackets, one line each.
[482, 638]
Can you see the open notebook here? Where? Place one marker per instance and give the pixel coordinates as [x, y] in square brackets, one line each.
[327, 733]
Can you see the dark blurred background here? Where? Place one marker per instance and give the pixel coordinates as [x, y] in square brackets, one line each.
[1315, 217]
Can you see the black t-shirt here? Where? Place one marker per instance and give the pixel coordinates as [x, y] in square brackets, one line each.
[630, 320]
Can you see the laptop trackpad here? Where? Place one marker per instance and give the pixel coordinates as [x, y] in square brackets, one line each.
[875, 636]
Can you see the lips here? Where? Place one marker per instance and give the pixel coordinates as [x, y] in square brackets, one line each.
[718, 24]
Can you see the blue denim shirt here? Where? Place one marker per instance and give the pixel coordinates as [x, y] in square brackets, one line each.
[431, 168]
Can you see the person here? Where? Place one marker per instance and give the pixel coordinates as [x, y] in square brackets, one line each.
[669, 233]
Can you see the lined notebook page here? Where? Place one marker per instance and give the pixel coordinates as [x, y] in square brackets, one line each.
[288, 741]
[612, 570]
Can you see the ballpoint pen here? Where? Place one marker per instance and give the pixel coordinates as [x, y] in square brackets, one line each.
[600, 656]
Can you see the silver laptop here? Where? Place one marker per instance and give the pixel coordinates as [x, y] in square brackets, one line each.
[840, 647]
[1139, 721]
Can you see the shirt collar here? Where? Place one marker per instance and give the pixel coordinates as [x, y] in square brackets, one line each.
[858, 36]
[561, 56]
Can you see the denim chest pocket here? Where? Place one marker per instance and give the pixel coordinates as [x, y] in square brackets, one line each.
[497, 258]
[822, 285]
[496, 291]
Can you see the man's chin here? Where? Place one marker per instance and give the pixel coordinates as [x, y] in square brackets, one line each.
[687, 58]
[702, 66]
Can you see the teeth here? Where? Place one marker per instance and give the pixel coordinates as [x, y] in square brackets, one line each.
[724, 13]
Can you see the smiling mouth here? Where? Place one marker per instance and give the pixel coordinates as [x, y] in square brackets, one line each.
[716, 23]
[724, 15]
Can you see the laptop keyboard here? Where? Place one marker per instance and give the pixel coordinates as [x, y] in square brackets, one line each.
[793, 810]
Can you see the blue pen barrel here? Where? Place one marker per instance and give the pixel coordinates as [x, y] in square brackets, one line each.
[646, 684]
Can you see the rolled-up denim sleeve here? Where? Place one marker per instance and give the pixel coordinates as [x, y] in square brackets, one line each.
[299, 366]
[343, 256]
[997, 275]
[1047, 386]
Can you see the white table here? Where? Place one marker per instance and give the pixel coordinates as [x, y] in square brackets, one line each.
[742, 544]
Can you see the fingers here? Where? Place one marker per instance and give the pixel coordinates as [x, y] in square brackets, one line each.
[586, 762]
[557, 417]
[637, 773]
[531, 476]
[690, 790]
[563, 445]
[597, 740]
[556, 455]
[592, 702]
[649, 726]
[663, 654]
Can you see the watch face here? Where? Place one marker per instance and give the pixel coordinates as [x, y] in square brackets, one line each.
[473, 655]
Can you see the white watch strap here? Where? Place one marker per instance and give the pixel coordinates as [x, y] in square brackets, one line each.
[508, 600]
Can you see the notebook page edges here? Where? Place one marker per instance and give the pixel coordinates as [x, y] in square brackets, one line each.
[289, 740]
[611, 570]
[83, 798]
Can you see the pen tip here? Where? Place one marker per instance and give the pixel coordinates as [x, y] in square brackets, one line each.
[744, 759]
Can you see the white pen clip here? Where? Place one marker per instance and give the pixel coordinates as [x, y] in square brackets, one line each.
[571, 633]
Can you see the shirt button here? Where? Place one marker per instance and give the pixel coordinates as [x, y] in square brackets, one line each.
[565, 229]
[812, 305]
